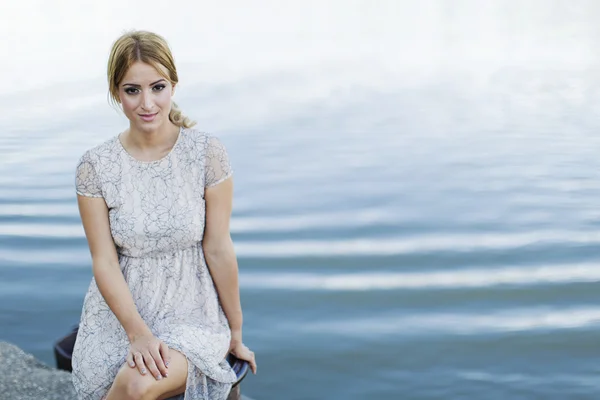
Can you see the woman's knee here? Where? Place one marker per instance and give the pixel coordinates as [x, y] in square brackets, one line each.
[129, 384]
[138, 389]
[133, 385]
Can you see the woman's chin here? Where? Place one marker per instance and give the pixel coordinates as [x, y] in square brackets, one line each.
[146, 126]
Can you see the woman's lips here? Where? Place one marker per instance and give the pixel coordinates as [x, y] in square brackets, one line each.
[148, 117]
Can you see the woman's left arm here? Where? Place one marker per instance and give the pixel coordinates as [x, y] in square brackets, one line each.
[222, 262]
[219, 252]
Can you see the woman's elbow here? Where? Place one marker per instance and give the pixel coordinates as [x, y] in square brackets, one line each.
[217, 249]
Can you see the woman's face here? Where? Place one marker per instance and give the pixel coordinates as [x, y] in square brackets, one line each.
[146, 97]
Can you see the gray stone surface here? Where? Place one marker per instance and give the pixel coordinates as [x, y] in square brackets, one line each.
[23, 377]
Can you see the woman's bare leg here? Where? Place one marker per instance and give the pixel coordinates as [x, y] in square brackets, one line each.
[130, 384]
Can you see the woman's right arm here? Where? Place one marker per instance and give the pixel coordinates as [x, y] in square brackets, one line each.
[114, 289]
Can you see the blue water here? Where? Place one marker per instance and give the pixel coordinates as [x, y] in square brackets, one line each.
[437, 239]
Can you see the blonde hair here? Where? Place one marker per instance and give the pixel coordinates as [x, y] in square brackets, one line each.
[148, 48]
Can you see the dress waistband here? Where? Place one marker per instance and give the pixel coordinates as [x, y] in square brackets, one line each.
[159, 253]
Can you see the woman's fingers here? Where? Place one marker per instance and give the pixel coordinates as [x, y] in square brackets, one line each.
[252, 362]
[151, 364]
[129, 360]
[139, 362]
[244, 353]
[164, 352]
[149, 354]
[158, 361]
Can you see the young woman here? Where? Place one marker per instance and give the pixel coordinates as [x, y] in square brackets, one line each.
[163, 309]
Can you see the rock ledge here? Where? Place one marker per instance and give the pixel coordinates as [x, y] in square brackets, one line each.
[23, 377]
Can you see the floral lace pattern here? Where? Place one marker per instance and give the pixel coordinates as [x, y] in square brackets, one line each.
[156, 215]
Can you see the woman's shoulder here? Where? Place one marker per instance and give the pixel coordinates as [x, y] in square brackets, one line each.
[104, 151]
[197, 135]
[200, 140]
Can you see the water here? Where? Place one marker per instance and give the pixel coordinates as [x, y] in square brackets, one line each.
[400, 234]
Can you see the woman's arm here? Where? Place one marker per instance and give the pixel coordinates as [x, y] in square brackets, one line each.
[110, 280]
[222, 263]
[218, 247]
[220, 254]
[105, 265]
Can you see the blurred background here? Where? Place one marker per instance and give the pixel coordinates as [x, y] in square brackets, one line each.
[416, 207]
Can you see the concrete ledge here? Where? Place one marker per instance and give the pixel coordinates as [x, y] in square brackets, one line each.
[23, 377]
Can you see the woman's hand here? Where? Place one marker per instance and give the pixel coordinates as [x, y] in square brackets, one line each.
[239, 349]
[148, 353]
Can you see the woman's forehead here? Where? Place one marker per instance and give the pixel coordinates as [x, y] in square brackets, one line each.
[143, 73]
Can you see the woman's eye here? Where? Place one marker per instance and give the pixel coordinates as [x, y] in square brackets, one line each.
[131, 90]
[158, 88]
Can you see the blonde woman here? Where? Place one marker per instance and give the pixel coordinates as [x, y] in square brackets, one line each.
[163, 308]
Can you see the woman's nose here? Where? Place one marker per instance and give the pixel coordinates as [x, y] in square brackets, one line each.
[146, 101]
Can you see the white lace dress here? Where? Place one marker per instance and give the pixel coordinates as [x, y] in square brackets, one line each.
[157, 215]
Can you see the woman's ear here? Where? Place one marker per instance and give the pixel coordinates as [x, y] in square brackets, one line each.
[173, 90]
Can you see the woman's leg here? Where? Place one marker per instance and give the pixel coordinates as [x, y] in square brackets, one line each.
[130, 384]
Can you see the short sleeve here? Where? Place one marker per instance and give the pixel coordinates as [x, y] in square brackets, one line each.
[87, 182]
[217, 167]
